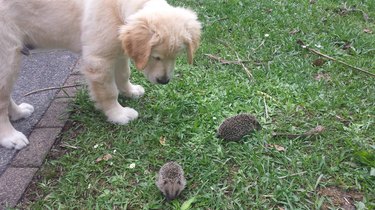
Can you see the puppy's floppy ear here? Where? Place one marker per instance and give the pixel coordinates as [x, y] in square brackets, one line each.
[194, 33]
[136, 41]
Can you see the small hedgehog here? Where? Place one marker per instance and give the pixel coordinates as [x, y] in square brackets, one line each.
[171, 180]
[234, 128]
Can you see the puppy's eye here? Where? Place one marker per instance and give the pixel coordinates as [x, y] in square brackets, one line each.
[156, 58]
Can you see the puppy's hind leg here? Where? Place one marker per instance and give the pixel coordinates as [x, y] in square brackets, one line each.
[122, 76]
[9, 64]
[17, 112]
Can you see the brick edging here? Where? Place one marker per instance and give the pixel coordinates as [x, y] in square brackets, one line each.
[17, 177]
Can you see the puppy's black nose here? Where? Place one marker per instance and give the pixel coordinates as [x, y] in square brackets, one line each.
[162, 80]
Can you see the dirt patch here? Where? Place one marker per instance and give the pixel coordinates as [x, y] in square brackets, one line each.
[233, 170]
[323, 76]
[338, 197]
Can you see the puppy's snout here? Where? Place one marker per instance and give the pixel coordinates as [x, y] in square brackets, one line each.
[162, 80]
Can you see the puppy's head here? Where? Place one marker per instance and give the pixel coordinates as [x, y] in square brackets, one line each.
[153, 37]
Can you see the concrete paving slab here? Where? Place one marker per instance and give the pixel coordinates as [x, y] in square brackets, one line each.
[41, 141]
[69, 92]
[13, 183]
[78, 67]
[56, 114]
[39, 70]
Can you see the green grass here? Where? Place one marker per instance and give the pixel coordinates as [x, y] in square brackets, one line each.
[284, 95]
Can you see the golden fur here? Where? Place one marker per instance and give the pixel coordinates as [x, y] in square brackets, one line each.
[107, 33]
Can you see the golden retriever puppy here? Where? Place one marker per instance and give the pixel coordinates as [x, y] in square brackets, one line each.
[107, 33]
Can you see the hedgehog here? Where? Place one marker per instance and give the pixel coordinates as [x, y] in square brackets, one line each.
[171, 180]
[236, 127]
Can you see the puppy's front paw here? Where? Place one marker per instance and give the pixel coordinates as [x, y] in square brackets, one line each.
[121, 115]
[14, 140]
[134, 91]
[21, 111]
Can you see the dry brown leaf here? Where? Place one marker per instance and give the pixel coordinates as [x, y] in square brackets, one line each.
[367, 30]
[294, 31]
[277, 147]
[104, 157]
[346, 46]
[323, 76]
[162, 140]
[343, 120]
[319, 62]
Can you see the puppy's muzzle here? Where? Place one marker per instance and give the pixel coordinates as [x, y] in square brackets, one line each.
[162, 80]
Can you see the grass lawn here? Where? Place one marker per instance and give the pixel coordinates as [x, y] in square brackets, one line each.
[289, 91]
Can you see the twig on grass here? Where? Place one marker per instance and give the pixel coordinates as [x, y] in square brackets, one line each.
[226, 44]
[315, 131]
[261, 44]
[300, 42]
[265, 108]
[345, 10]
[51, 88]
[266, 95]
[239, 61]
[218, 20]
[68, 146]
[248, 72]
[226, 62]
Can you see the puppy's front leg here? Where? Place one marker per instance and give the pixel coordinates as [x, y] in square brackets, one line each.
[17, 112]
[103, 90]
[122, 76]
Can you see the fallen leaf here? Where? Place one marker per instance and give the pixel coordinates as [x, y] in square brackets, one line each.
[365, 17]
[367, 30]
[294, 31]
[99, 159]
[319, 62]
[162, 140]
[347, 45]
[277, 147]
[187, 204]
[323, 76]
[105, 158]
[317, 130]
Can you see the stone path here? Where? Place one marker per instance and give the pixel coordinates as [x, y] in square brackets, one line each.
[39, 70]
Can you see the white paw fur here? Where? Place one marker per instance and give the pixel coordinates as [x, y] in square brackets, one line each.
[23, 110]
[14, 140]
[121, 115]
[134, 91]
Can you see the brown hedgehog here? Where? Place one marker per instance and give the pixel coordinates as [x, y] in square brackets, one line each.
[171, 180]
[236, 127]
